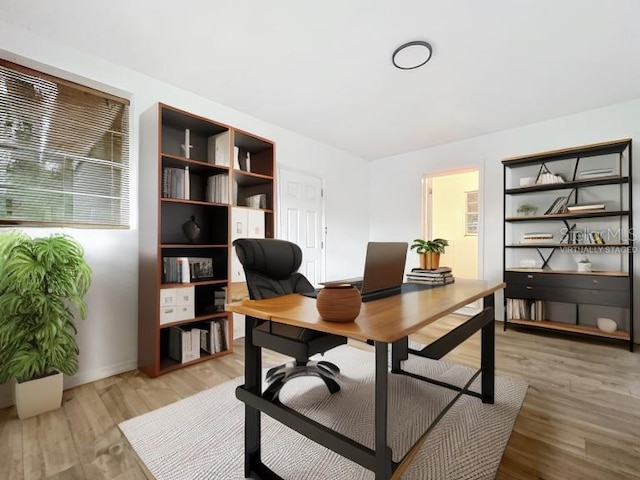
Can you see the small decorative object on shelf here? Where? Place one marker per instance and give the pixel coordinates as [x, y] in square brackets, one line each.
[584, 264]
[186, 147]
[607, 325]
[527, 209]
[191, 229]
[339, 302]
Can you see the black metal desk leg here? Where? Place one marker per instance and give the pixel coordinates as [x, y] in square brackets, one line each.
[488, 353]
[399, 352]
[383, 452]
[253, 381]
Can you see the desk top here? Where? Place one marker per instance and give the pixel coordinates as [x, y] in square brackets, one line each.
[385, 320]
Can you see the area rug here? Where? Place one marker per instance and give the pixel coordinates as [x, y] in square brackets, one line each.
[201, 437]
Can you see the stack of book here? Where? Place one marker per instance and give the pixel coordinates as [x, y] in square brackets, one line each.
[439, 276]
[537, 237]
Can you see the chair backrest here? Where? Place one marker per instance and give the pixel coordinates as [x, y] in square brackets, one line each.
[271, 267]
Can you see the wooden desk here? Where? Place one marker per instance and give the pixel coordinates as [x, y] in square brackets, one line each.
[386, 322]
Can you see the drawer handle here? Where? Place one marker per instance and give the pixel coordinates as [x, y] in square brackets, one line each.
[528, 287]
[594, 292]
[529, 276]
[595, 281]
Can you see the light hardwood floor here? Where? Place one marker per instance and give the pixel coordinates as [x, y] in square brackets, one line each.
[580, 419]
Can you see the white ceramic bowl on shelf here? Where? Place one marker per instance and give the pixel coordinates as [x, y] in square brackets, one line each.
[607, 325]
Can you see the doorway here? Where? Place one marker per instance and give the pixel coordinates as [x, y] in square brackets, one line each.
[301, 219]
[452, 212]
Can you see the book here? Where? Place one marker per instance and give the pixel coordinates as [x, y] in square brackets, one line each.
[423, 271]
[428, 276]
[537, 237]
[599, 172]
[431, 281]
[219, 149]
[559, 205]
[184, 344]
[586, 207]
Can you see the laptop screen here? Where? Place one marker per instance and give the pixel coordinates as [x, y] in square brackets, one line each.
[384, 266]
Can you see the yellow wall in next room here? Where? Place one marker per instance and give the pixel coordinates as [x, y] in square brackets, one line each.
[448, 221]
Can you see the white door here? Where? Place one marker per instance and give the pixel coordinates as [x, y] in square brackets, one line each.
[301, 218]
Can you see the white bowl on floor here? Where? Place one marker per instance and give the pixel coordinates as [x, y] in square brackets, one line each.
[607, 325]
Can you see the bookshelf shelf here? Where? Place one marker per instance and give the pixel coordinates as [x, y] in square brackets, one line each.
[567, 327]
[203, 169]
[555, 295]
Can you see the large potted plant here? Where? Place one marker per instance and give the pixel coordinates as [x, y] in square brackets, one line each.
[429, 251]
[43, 282]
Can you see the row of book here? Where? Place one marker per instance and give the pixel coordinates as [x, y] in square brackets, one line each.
[186, 269]
[186, 343]
[175, 183]
[523, 309]
[439, 276]
[218, 188]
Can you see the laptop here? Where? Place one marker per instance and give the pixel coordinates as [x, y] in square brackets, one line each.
[383, 271]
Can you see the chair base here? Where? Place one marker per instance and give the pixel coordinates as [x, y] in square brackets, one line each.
[278, 376]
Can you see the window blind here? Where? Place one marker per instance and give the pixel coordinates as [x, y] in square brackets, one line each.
[64, 152]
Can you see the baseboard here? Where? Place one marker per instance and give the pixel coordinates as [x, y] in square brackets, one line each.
[98, 374]
[6, 391]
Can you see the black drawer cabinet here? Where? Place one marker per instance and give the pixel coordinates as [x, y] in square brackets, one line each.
[588, 296]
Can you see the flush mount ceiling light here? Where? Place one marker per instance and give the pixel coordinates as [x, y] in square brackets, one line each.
[411, 55]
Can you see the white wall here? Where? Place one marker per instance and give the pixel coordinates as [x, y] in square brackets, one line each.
[395, 189]
[108, 338]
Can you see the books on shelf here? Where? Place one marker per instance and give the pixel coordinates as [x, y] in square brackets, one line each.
[175, 183]
[219, 149]
[537, 237]
[523, 309]
[595, 173]
[186, 269]
[559, 205]
[586, 207]
[257, 201]
[184, 344]
[217, 188]
[214, 339]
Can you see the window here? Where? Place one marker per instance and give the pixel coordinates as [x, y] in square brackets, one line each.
[64, 152]
[471, 213]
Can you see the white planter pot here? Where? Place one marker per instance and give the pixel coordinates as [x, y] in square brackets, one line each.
[38, 396]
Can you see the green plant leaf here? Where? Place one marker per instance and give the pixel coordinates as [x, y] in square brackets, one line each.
[40, 280]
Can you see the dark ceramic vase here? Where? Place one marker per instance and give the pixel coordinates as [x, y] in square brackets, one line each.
[191, 230]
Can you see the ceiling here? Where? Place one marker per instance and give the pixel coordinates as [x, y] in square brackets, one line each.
[323, 69]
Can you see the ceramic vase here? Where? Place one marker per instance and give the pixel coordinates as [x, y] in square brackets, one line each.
[339, 303]
[191, 230]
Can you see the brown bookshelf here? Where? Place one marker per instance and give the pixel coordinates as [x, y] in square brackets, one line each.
[203, 181]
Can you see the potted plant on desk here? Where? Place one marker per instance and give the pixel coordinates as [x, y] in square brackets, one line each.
[41, 280]
[429, 252]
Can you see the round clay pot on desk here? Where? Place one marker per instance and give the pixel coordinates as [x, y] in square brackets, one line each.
[339, 303]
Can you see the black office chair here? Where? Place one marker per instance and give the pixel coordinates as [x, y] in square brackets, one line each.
[271, 270]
